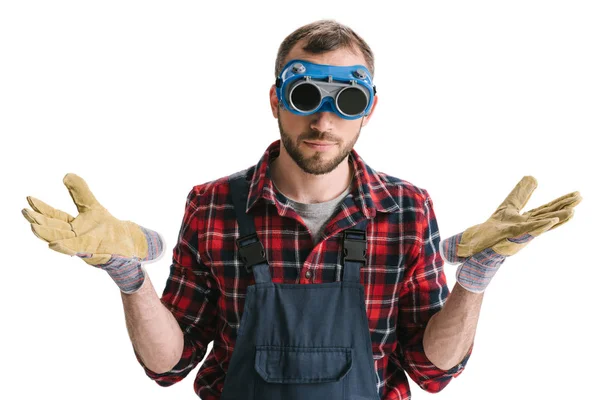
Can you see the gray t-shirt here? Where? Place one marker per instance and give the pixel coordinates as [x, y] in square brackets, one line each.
[316, 215]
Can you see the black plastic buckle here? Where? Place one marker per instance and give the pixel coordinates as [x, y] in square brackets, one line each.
[355, 249]
[251, 253]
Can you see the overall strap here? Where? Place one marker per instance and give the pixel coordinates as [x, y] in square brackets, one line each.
[251, 249]
[355, 251]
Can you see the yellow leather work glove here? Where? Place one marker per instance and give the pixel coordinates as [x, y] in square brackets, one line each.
[97, 237]
[482, 248]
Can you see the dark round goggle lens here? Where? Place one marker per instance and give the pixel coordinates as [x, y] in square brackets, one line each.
[352, 101]
[305, 97]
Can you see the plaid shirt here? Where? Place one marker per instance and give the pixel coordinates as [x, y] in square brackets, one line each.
[403, 280]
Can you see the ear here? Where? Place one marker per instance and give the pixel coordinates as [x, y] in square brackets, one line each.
[367, 118]
[273, 100]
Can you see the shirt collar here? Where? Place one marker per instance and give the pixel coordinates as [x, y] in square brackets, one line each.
[369, 192]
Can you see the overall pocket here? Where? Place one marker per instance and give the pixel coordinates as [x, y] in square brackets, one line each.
[300, 373]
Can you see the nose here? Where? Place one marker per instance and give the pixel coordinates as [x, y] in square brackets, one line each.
[322, 121]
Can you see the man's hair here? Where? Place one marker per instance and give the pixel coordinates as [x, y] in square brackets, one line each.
[323, 36]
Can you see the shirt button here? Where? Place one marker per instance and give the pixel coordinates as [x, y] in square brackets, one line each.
[308, 274]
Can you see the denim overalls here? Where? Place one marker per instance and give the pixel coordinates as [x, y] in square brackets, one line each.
[299, 341]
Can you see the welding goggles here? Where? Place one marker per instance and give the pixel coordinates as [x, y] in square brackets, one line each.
[305, 88]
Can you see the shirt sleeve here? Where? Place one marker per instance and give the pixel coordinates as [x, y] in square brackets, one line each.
[190, 294]
[423, 294]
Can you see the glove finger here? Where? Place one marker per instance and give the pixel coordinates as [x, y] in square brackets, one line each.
[91, 246]
[560, 214]
[36, 218]
[536, 228]
[80, 247]
[51, 234]
[564, 216]
[94, 259]
[81, 194]
[568, 200]
[72, 246]
[49, 211]
[509, 247]
[520, 195]
[512, 245]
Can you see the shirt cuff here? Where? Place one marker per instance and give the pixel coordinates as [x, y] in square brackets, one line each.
[179, 371]
[427, 375]
[458, 368]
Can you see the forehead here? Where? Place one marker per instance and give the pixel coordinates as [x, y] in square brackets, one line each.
[339, 57]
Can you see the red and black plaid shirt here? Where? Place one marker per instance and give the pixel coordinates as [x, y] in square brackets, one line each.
[404, 280]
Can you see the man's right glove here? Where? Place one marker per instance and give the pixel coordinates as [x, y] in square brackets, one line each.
[118, 247]
[482, 248]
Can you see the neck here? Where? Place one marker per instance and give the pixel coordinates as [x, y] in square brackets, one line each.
[306, 188]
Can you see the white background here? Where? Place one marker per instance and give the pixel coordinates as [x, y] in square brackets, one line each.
[143, 99]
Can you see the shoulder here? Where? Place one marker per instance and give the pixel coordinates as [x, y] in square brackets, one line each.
[407, 194]
[217, 190]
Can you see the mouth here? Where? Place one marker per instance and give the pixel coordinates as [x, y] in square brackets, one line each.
[319, 145]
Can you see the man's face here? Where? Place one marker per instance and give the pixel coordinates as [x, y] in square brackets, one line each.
[301, 134]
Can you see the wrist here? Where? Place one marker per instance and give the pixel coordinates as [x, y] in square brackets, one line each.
[127, 273]
[476, 273]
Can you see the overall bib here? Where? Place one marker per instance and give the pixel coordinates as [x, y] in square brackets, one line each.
[300, 341]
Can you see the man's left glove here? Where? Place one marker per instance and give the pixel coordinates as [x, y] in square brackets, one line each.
[482, 248]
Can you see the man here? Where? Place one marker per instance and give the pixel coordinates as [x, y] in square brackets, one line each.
[311, 273]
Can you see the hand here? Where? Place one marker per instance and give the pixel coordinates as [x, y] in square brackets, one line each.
[482, 248]
[95, 235]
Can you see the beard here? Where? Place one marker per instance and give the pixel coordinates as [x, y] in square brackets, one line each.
[317, 164]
